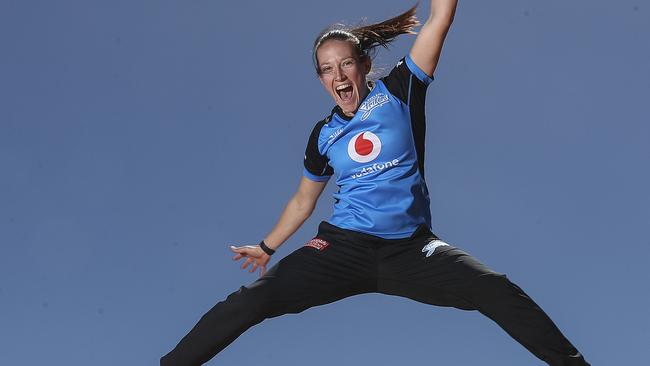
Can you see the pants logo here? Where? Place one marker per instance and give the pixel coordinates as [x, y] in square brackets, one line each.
[432, 246]
[319, 244]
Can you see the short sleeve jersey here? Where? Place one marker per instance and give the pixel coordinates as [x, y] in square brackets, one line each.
[377, 157]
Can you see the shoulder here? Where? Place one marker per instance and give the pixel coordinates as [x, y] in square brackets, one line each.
[404, 69]
[318, 126]
[405, 78]
[316, 163]
[316, 136]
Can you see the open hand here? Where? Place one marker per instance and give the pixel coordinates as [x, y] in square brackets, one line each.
[254, 255]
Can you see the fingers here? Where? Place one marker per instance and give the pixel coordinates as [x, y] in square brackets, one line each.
[243, 249]
[241, 252]
[247, 250]
[247, 262]
[237, 249]
[262, 270]
[253, 268]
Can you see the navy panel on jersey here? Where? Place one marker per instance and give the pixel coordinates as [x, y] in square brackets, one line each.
[317, 166]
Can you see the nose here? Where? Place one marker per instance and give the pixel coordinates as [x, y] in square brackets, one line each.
[340, 76]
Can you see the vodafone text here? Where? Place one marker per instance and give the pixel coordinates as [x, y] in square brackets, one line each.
[375, 168]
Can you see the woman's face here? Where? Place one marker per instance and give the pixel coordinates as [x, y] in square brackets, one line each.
[342, 74]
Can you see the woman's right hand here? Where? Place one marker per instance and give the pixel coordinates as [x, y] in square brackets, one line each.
[254, 255]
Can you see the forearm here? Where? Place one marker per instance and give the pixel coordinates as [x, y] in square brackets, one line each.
[293, 216]
[431, 37]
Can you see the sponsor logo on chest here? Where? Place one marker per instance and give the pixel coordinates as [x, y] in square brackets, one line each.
[375, 168]
[371, 104]
[333, 136]
[365, 147]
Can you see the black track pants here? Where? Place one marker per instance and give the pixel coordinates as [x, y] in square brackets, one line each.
[339, 263]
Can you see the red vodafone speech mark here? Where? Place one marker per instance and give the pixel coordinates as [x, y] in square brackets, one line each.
[319, 244]
[363, 146]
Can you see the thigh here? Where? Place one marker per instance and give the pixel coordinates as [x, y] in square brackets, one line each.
[322, 271]
[432, 271]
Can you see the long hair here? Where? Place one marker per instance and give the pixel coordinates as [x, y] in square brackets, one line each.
[367, 38]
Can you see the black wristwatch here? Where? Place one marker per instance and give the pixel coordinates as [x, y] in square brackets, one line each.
[266, 249]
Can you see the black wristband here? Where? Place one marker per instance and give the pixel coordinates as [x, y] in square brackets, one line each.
[266, 249]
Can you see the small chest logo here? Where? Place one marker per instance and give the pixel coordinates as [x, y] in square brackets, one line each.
[334, 135]
[364, 147]
[319, 244]
[371, 103]
[432, 246]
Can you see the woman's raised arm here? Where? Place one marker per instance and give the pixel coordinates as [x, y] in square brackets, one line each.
[428, 44]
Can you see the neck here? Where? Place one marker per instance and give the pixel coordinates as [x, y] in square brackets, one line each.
[362, 96]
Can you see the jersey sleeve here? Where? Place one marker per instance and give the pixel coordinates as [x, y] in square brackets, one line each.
[409, 83]
[317, 166]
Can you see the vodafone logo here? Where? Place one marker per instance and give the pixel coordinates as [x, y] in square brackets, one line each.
[364, 147]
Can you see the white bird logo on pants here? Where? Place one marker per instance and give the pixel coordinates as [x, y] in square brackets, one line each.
[433, 245]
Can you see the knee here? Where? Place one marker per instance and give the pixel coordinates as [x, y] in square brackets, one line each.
[496, 288]
[265, 299]
[249, 300]
[495, 284]
[243, 306]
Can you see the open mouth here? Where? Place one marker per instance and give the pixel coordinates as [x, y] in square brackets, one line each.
[345, 92]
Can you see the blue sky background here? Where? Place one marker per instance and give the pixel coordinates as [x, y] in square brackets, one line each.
[138, 139]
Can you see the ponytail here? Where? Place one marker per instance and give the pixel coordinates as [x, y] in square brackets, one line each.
[368, 38]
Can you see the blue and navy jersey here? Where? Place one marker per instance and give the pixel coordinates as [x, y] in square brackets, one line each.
[377, 157]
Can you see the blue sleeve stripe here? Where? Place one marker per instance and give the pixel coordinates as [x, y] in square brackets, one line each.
[415, 70]
[314, 177]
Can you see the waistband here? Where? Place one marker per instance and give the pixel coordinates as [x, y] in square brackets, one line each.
[326, 228]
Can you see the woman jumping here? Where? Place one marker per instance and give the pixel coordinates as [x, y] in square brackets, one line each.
[378, 239]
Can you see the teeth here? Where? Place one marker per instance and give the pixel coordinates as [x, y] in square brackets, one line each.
[341, 87]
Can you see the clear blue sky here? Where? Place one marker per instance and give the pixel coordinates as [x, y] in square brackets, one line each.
[138, 139]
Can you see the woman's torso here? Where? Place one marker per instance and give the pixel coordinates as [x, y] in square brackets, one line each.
[377, 157]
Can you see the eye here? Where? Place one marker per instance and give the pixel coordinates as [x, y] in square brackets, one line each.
[326, 69]
[348, 63]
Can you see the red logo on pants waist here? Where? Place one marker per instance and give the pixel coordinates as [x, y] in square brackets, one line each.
[319, 244]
